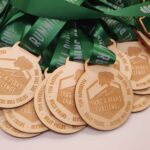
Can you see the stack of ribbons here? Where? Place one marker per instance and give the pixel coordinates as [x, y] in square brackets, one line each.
[69, 64]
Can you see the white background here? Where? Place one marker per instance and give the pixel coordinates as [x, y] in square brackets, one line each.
[134, 135]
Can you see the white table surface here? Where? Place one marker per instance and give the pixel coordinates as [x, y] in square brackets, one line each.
[134, 135]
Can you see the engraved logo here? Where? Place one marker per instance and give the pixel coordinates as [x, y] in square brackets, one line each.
[67, 91]
[13, 81]
[139, 62]
[107, 99]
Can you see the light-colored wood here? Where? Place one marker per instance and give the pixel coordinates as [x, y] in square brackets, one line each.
[104, 97]
[47, 117]
[139, 56]
[20, 74]
[7, 128]
[59, 93]
[122, 62]
[143, 92]
[141, 102]
[144, 39]
[25, 119]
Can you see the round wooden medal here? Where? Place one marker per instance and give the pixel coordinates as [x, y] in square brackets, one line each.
[139, 57]
[104, 97]
[7, 128]
[20, 74]
[60, 90]
[141, 102]
[46, 116]
[25, 119]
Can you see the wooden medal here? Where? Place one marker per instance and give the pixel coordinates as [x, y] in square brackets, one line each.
[60, 93]
[139, 57]
[20, 74]
[46, 116]
[141, 102]
[7, 128]
[104, 97]
[25, 119]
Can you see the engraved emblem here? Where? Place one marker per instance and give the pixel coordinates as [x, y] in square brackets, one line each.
[46, 116]
[103, 97]
[140, 63]
[13, 81]
[66, 92]
[60, 93]
[139, 57]
[108, 102]
[20, 74]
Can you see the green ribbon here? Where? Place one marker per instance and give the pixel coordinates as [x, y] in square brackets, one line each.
[12, 33]
[13, 24]
[65, 10]
[119, 31]
[5, 11]
[3, 4]
[39, 39]
[124, 3]
[99, 33]
[75, 47]
[61, 52]
[102, 55]
[95, 51]
[74, 43]
[12, 17]
[41, 34]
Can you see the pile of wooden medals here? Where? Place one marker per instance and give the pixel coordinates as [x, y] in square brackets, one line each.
[75, 95]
